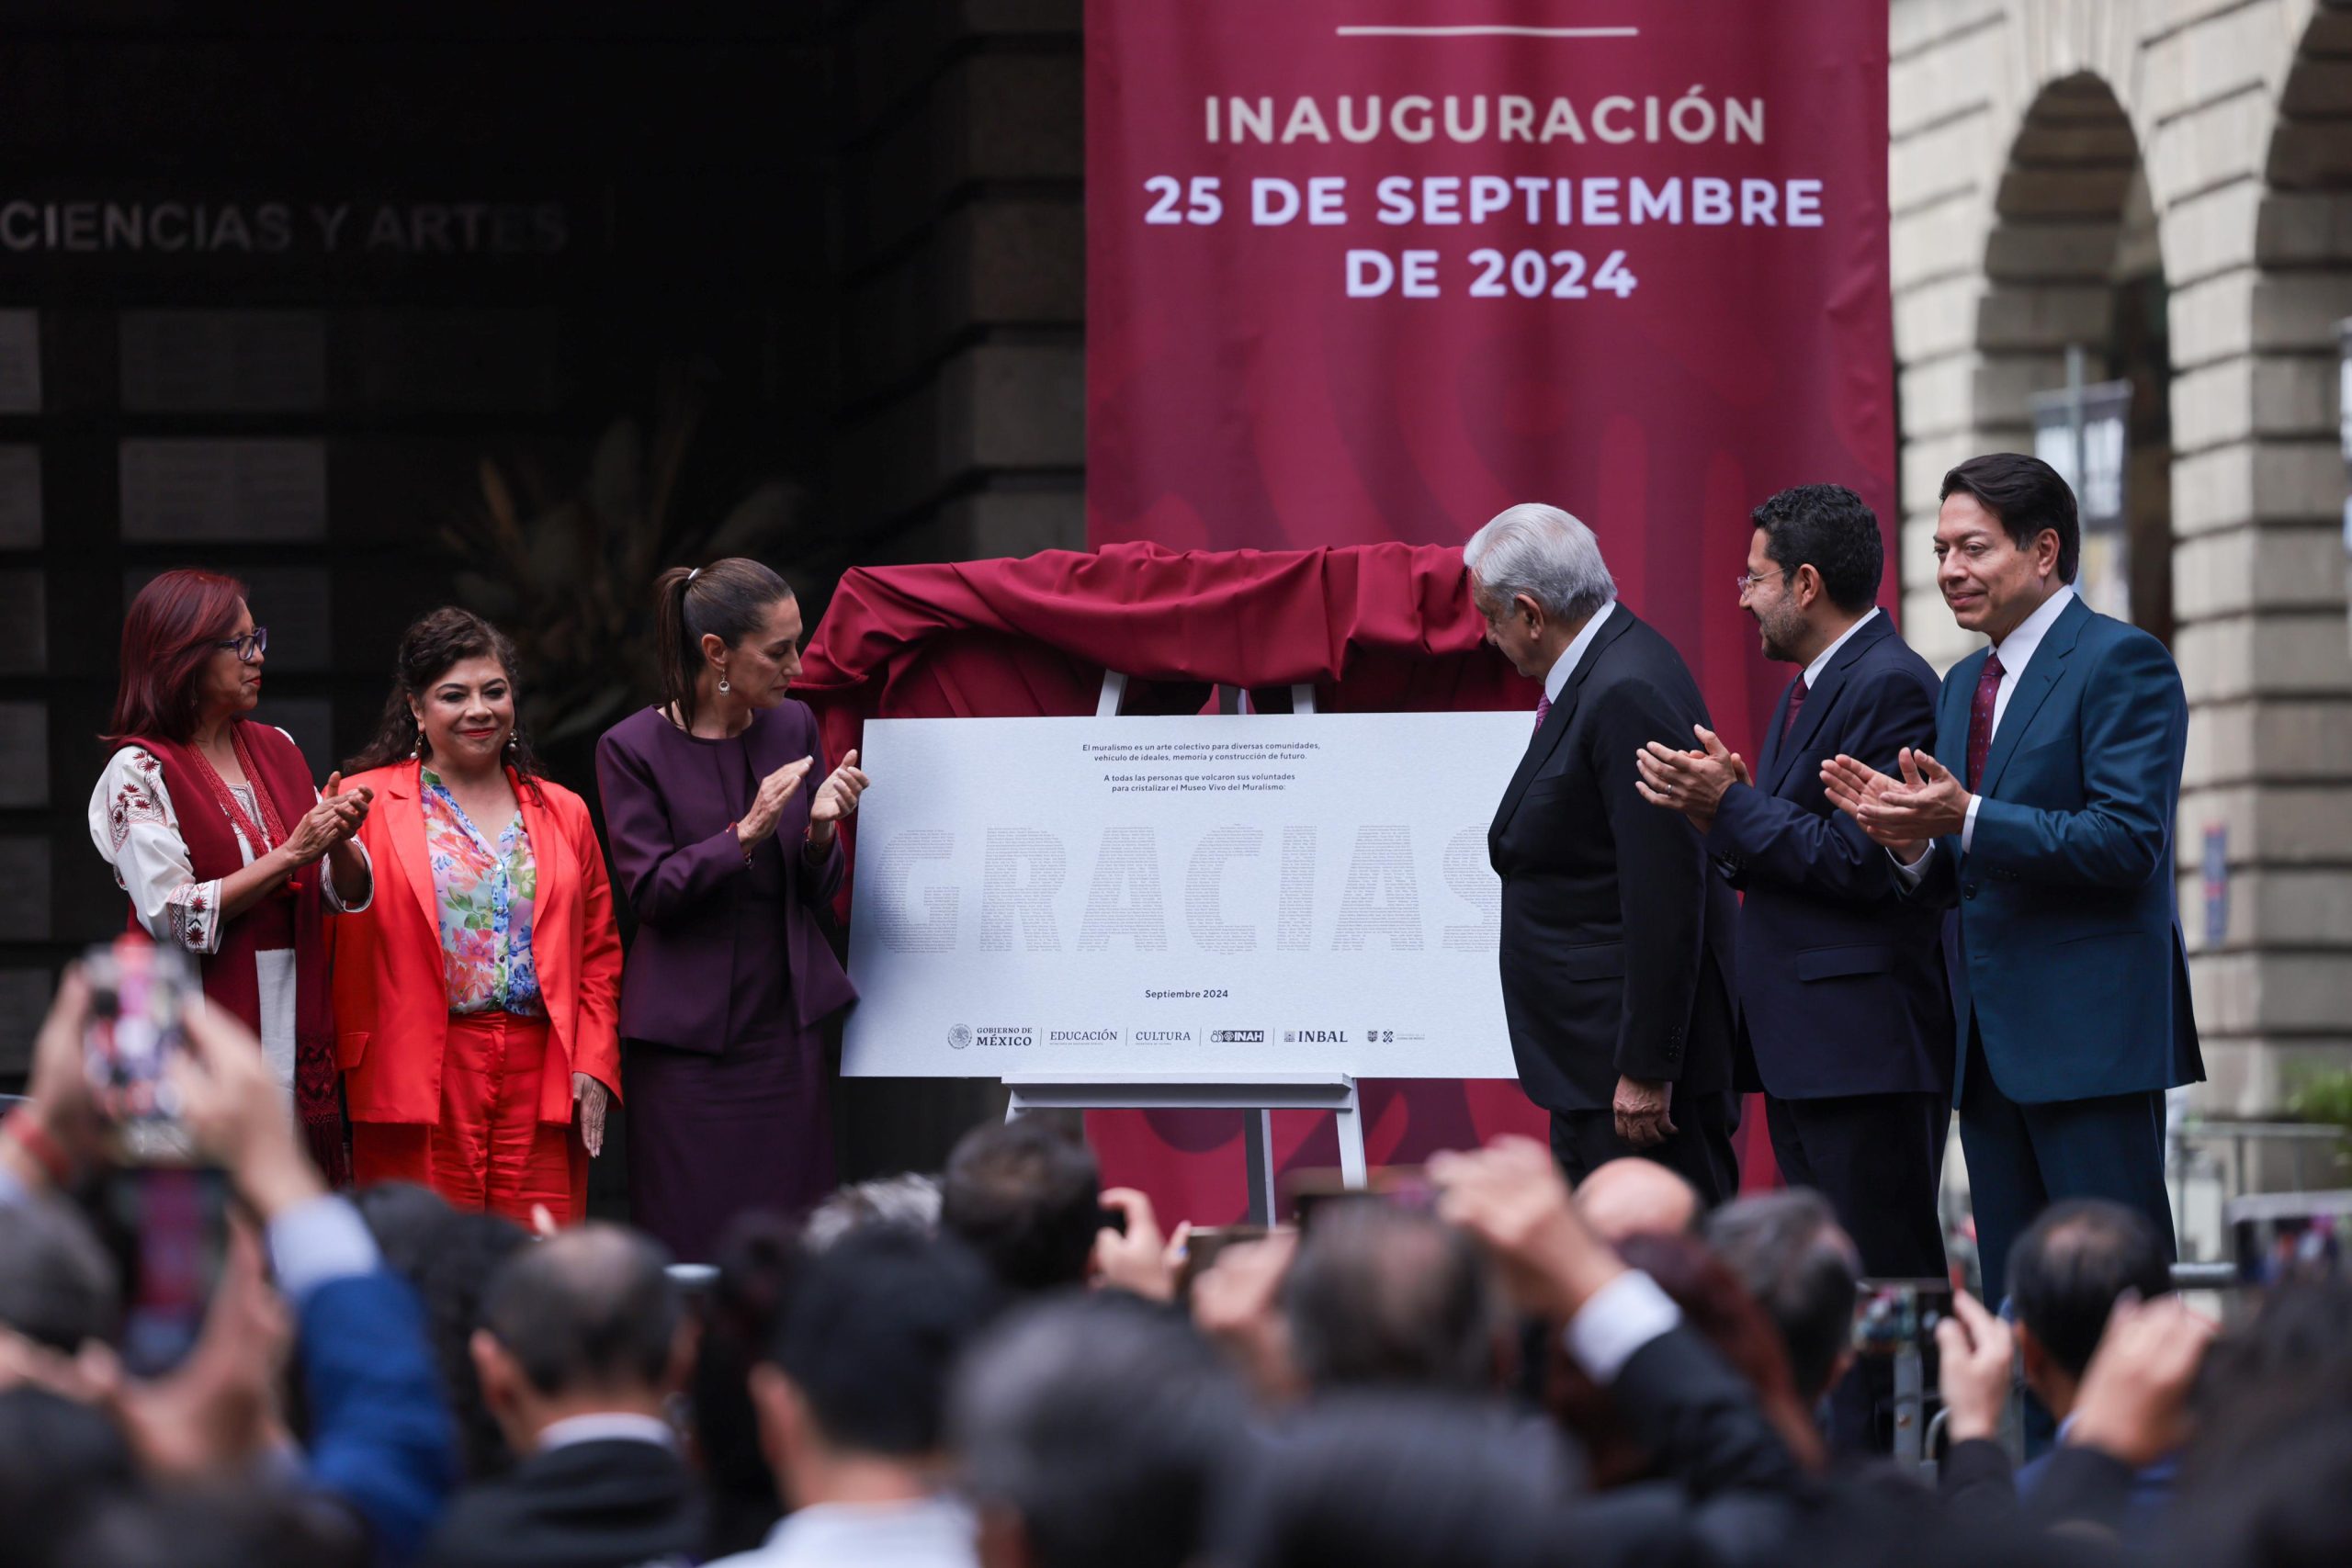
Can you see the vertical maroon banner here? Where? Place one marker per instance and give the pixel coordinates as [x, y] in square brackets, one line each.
[1376, 269]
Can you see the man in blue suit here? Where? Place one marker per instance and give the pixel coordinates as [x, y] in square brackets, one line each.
[2049, 826]
[1844, 1019]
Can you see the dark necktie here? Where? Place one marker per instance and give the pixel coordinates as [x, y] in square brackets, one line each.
[1980, 719]
[1796, 706]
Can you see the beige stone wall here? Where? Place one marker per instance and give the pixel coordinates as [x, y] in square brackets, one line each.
[2021, 131]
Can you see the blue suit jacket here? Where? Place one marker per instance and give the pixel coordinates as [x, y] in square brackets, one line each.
[1841, 978]
[2071, 962]
[381, 1434]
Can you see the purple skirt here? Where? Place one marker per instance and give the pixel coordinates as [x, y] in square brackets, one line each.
[710, 1138]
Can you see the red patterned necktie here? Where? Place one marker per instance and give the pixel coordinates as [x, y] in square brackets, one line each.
[1543, 711]
[1980, 719]
[1796, 706]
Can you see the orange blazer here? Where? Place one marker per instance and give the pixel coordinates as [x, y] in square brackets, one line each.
[392, 994]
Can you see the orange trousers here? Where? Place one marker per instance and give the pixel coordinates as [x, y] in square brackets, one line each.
[489, 1150]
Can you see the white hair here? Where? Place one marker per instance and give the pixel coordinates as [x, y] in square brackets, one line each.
[909, 1201]
[1543, 552]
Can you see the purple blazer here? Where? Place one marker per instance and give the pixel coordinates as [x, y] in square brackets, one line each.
[681, 869]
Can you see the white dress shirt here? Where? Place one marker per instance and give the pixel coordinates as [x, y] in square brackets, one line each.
[930, 1532]
[2015, 652]
[1623, 1316]
[607, 1427]
[1555, 680]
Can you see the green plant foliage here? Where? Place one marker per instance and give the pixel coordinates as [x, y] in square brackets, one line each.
[568, 569]
[2325, 1097]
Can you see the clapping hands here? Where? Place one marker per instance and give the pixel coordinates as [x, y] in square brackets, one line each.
[1903, 815]
[1692, 782]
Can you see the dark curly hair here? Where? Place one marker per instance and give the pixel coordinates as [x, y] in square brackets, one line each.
[428, 649]
[1828, 528]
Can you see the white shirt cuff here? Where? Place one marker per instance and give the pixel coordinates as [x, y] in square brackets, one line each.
[335, 900]
[319, 1242]
[1910, 874]
[1968, 829]
[1623, 1315]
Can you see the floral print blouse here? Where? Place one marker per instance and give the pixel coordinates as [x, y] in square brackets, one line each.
[485, 894]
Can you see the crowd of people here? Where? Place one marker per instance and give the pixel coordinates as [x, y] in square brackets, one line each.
[1004, 1364]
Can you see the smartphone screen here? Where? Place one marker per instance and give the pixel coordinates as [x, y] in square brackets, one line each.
[136, 992]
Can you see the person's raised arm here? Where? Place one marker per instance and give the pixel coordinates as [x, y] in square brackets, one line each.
[2131, 1410]
[1781, 844]
[381, 1440]
[1693, 1413]
[51, 1139]
[663, 877]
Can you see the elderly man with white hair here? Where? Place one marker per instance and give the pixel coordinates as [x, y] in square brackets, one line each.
[1616, 940]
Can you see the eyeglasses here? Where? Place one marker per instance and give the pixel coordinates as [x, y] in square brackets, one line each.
[1748, 579]
[250, 646]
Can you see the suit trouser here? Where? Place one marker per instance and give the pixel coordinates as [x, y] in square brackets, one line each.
[2022, 1158]
[1699, 1150]
[1879, 1159]
[489, 1151]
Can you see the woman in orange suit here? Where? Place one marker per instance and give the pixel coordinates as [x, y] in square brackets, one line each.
[477, 1001]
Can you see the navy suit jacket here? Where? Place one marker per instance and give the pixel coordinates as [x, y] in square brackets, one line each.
[2070, 963]
[1841, 978]
[1616, 949]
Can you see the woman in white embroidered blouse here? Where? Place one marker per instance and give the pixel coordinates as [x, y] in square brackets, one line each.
[212, 825]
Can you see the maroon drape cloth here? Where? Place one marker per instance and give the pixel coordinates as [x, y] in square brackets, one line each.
[1374, 627]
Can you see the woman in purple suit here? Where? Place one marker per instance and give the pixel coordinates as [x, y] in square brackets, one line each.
[725, 832]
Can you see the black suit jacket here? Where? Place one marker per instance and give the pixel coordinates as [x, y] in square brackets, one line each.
[612, 1503]
[1616, 945]
[1841, 978]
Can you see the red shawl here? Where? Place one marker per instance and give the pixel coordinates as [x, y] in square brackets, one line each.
[294, 915]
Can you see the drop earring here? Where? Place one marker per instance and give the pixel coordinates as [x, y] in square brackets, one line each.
[723, 685]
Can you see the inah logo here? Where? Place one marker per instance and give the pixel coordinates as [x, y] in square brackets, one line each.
[960, 1036]
[1238, 1036]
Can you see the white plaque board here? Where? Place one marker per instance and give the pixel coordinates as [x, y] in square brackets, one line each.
[1216, 895]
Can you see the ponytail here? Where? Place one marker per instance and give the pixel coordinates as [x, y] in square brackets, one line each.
[729, 598]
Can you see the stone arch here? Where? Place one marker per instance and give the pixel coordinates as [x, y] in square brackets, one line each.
[2261, 582]
[2073, 259]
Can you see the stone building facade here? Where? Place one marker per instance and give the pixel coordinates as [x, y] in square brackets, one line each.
[2167, 183]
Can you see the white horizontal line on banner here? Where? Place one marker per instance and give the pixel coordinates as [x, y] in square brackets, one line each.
[1490, 31]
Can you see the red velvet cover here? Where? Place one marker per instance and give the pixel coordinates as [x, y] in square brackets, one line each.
[1375, 627]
